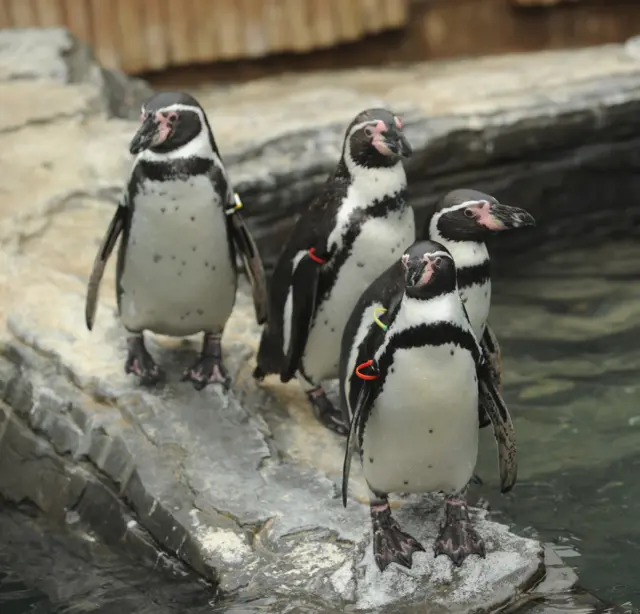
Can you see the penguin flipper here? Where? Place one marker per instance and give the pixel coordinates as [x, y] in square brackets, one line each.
[106, 247]
[493, 404]
[491, 350]
[304, 290]
[361, 411]
[253, 266]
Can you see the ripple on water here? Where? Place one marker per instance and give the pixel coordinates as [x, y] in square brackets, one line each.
[569, 324]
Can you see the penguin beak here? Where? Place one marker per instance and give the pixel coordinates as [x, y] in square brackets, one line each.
[154, 130]
[418, 271]
[144, 137]
[494, 216]
[398, 143]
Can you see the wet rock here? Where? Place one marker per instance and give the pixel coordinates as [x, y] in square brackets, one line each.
[243, 488]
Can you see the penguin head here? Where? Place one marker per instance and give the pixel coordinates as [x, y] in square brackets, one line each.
[170, 120]
[375, 139]
[469, 215]
[429, 270]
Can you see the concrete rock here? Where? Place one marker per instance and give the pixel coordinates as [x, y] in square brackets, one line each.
[243, 489]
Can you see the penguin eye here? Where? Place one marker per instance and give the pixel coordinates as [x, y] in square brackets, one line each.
[437, 262]
[173, 116]
[368, 130]
[469, 213]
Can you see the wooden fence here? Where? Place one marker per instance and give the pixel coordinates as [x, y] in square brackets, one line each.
[142, 35]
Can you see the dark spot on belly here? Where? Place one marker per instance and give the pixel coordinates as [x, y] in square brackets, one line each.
[200, 312]
[486, 293]
[133, 241]
[176, 207]
[393, 250]
[157, 257]
[375, 179]
[406, 482]
[333, 330]
[326, 322]
[184, 262]
[464, 300]
[361, 265]
[206, 264]
[371, 459]
[213, 268]
[163, 209]
[193, 219]
[429, 466]
[452, 352]
[392, 370]
[475, 378]
[179, 273]
[431, 431]
[173, 257]
[193, 249]
[398, 245]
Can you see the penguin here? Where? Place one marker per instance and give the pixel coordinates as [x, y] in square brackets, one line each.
[410, 387]
[463, 220]
[356, 227]
[181, 227]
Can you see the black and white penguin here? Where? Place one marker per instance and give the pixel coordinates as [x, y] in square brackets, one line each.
[356, 227]
[462, 222]
[176, 272]
[410, 384]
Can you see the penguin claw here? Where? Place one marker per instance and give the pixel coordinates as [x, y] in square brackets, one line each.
[458, 541]
[207, 370]
[392, 545]
[326, 413]
[140, 363]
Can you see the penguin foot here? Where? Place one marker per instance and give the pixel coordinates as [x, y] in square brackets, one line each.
[140, 362]
[458, 538]
[209, 368]
[390, 543]
[326, 413]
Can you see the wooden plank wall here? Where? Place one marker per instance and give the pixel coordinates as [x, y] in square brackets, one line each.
[145, 35]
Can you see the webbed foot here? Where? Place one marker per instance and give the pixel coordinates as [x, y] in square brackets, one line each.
[326, 413]
[140, 362]
[458, 538]
[209, 368]
[390, 543]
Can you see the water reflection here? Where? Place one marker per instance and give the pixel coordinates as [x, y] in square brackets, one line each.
[569, 325]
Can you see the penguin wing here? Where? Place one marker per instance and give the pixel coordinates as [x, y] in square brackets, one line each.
[493, 404]
[491, 350]
[359, 419]
[106, 247]
[253, 267]
[304, 291]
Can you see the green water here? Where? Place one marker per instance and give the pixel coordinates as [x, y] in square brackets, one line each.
[569, 326]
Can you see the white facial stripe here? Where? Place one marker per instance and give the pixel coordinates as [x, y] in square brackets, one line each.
[361, 125]
[464, 205]
[441, 254]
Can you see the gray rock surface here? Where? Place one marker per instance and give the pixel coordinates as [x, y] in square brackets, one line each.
[243, 489]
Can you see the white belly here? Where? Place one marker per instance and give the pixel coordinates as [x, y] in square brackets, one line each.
[422, 434]
[178, 277]
[380, 243]
[477, 300]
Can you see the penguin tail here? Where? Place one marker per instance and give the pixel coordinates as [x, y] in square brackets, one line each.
[270, 356]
